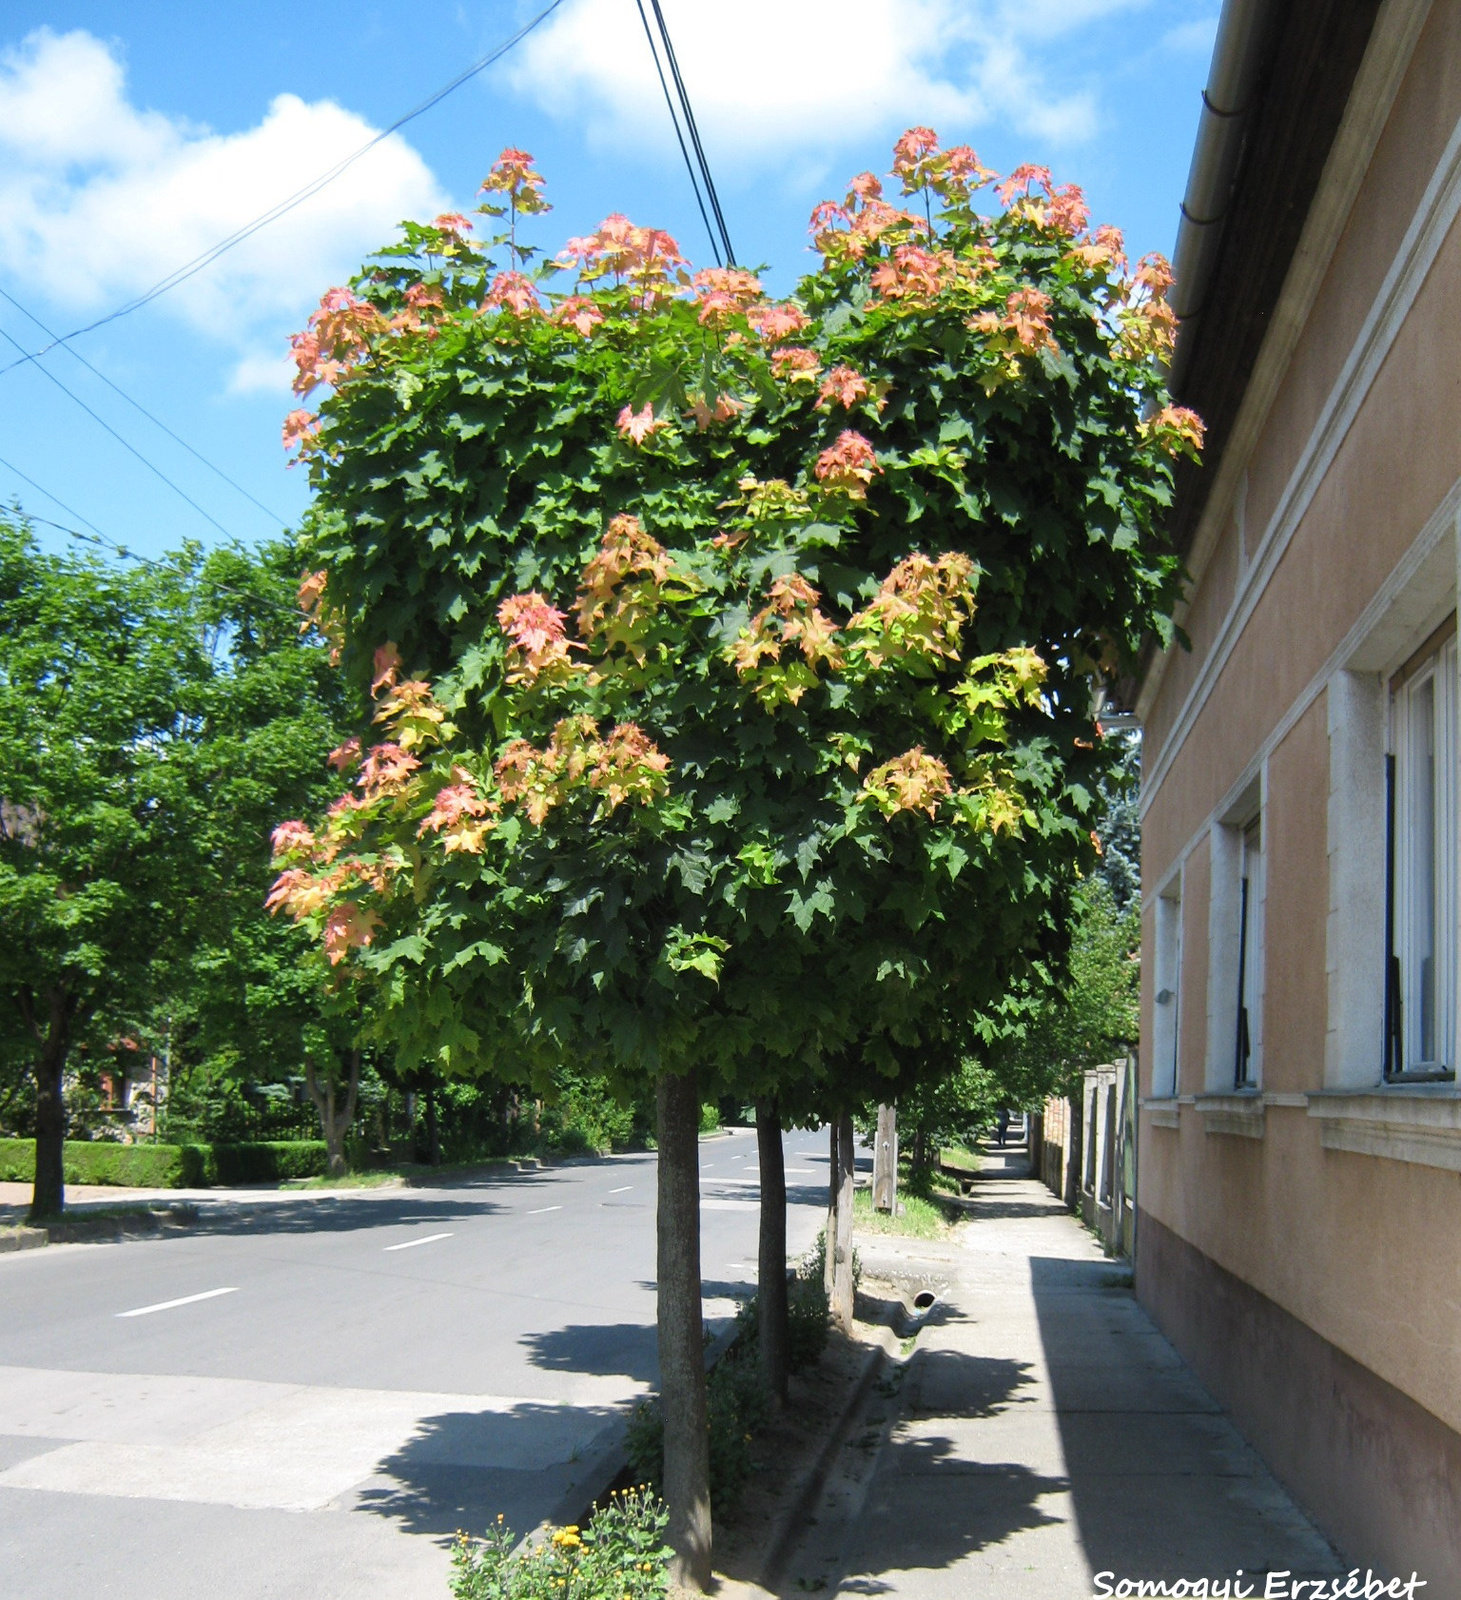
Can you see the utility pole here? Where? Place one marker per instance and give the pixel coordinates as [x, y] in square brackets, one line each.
[885, 1161]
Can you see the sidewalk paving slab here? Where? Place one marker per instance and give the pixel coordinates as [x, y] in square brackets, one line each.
[1046, 1431]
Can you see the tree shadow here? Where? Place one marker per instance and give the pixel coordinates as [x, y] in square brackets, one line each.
[613, 1349]
[1163, 1486]
[330, 1216]
[461, 1470]
[980, 1206]
[940, 1492]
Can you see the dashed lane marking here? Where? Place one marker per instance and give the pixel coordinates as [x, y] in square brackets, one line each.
[167, 1305]
[430, 1238]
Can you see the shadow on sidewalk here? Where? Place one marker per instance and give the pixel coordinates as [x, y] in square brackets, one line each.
[461, 1470]
[934, 1502]
[1162, 1484]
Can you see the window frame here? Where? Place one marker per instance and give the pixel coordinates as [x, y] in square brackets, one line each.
[1252, 893]
[1167, 998]
[1435, 666]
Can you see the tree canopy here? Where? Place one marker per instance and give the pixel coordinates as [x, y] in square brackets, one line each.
[733, 658]
[153, 721]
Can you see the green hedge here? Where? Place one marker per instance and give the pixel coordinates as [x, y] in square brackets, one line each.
[171, 1166]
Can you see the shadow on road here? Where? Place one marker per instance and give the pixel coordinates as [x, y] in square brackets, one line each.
[611, 1349]
[338, 1215]
[461, 1470]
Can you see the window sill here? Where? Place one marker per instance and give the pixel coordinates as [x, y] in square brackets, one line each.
[1419, 1123]
[1239, 1113]
[1163, 1111]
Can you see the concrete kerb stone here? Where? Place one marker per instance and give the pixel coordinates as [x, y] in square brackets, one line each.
[84, 1229]
[22, 1238]
[808, 1490]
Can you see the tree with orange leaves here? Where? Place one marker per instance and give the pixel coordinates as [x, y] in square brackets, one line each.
[733, 658]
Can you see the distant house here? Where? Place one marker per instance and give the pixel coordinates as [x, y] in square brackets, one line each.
[1298, 1229]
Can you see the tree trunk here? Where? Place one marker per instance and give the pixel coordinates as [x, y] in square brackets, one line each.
[771, 1304]
[1075, 1112]
[919, 1162]
[48, 1195]
[842, 1285]
[334, 1125]
[681, 1337]
[433, 1131]
[885, 1162]
[834, 1189]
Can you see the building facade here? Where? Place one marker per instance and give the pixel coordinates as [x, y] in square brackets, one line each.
[1298, 1227]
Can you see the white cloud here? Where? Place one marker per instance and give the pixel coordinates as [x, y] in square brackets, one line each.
[262, 373]
[769, 74]
[1196, 36]
[99, 199]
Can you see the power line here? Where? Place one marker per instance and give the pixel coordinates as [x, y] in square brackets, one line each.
[125, 554]
[99, 539]
[196, 265]
[157, 422]
[694, 132]
[715, 249]
[101, 421]
[53, 498]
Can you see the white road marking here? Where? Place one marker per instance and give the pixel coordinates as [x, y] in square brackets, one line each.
[625, 1190]
[541, 1209]
[411, 1244]
[167, 1305]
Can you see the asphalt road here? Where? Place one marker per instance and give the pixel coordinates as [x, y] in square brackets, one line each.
[309, 1395]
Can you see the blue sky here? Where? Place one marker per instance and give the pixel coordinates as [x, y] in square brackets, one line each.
[134, 136]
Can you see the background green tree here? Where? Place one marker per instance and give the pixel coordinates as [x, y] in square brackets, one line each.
[154, 720]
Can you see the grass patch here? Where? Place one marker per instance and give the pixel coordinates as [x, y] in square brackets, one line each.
[917, 1217]
[954, 1155]
[348, 1180]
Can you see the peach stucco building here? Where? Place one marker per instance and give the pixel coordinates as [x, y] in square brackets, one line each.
[1298, 1230]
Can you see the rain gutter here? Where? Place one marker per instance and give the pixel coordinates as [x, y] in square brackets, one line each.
[1234, 90]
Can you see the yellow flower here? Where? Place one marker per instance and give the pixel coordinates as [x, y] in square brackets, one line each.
[567, 1538]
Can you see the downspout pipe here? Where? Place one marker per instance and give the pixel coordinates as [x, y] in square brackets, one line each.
[1234, 85]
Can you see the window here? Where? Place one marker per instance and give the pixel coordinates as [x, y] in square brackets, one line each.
[1420, 924]
[1250, 958]
[1166, 1017]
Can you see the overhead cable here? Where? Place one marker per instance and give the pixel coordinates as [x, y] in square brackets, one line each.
[126, 444]
[694, 132]
[715, 245]
[137, 405]
[99, 539]
[53, 498]
[196, 265]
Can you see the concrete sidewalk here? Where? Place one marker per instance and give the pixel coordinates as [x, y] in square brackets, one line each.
[1046, 1432]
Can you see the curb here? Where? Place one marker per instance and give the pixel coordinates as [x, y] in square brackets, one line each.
[82, 1229]
[805, 1497]
[22, 1238]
